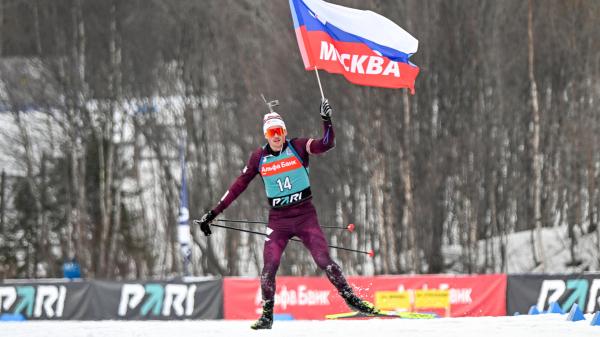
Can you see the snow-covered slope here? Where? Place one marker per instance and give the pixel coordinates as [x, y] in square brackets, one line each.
[519, 252]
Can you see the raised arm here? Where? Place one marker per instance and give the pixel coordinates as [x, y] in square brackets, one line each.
[316, 146]
[324, 144]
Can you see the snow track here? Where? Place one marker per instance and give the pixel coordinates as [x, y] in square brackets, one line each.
[548, 325]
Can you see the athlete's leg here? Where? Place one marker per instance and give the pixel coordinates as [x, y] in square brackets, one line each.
[312, 236]
[275, 244]
[313, 239]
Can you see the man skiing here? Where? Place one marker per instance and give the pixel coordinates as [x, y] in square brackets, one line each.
[283, 166]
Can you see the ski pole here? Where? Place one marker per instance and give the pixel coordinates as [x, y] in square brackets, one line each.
[350, 228]
[371, 253]
[243, 221]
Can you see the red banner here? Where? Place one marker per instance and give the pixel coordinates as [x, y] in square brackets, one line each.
[315, 297]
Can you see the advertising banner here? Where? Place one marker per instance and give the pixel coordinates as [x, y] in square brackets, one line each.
[99, 300]
[159, 300]
[315, 297]
[47, 300]
[525, 291]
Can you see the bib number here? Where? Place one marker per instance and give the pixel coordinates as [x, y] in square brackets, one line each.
[285, 184]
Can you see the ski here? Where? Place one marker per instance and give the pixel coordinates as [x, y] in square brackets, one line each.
[381, 314]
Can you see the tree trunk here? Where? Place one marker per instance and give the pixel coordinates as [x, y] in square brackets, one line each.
[377, 183]
[408, 208]
[591, 189]
[114, 86]
[537, 156]
[142, 261]
[36, 27]
[30, 177]
[2, 202]
[494, 233]
[45, 231]
[77, 98]
[1, 28]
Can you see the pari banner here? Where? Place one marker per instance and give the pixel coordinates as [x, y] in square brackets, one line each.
[69, 300]
[540, 290]
[315, 297]
[103, 300]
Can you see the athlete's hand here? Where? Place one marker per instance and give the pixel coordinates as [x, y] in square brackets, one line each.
[205, 222]
[325, 110]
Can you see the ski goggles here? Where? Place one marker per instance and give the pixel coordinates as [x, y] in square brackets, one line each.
[274, 131]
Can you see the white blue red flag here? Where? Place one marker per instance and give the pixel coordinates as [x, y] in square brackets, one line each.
[183, 225]
[365, 47]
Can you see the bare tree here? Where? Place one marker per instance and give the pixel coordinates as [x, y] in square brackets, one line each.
[537, 242]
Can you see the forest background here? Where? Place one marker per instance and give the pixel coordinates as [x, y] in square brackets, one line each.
[96, 98]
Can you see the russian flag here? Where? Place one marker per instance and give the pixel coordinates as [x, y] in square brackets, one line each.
[365, 47]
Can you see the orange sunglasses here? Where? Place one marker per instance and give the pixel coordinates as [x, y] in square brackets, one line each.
[274, 131]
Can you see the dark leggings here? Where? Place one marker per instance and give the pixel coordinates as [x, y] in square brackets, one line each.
[306, 227]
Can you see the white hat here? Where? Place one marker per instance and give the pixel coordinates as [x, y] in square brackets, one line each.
[272, 119]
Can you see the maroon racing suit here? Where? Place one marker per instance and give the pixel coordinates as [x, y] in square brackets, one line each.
[298, 219]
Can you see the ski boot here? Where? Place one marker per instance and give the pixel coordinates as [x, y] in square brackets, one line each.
[266, 319]
[357, 304]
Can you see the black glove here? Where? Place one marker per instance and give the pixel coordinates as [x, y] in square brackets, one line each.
[325, 110]
[205, 222]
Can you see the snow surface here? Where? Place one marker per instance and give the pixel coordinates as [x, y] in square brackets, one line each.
[547, 325]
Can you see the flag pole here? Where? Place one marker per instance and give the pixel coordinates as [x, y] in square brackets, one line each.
[319, 81]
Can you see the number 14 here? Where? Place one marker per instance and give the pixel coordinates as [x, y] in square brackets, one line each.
[285, 184]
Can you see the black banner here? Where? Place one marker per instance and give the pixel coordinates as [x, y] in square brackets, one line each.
[523, 291]
[98, 300]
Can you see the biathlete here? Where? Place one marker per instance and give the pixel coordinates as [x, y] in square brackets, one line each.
[283, 166]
